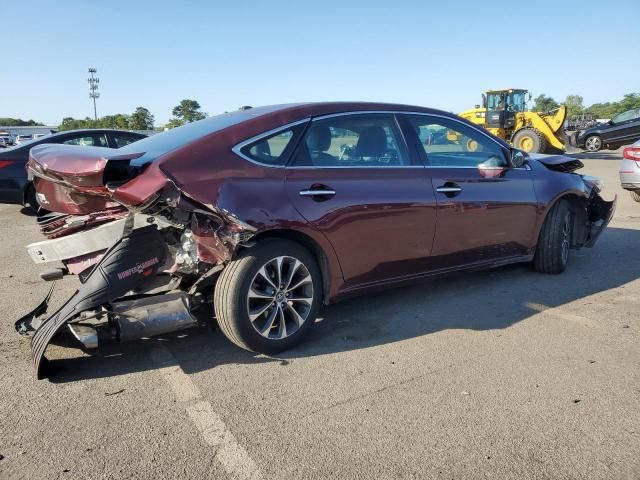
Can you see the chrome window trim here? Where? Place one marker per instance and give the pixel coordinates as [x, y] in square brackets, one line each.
[237, 149]
[396, 112]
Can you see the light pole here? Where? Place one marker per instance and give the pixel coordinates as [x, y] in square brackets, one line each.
[93, 90]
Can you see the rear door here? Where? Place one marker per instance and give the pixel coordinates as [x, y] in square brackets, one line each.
[353, 179]
[486, 210]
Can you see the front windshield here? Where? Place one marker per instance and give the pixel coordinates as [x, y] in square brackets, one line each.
[516, 102]
[513, 101]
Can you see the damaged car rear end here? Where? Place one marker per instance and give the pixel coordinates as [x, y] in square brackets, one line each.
[262, 215]
[145, 251]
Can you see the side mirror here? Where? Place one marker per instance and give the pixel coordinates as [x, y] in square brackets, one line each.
[518, 158]
[484, 101]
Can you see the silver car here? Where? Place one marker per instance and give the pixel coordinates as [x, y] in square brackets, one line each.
[630, 170]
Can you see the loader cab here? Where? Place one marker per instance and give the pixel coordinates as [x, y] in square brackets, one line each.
[502, 106]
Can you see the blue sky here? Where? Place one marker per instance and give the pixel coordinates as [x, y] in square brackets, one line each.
[230, 53]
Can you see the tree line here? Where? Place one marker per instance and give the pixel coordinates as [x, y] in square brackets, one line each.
[575, 106]
[188, 111]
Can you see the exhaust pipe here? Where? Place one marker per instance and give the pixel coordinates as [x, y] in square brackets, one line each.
[150, 316]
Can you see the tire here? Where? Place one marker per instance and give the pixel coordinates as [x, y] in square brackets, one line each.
[530, 140]
[593, 143]
[252, 267]
[31, 199]
[554, 242]
[635, 196]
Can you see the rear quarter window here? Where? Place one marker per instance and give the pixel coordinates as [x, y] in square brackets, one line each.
[272, 150]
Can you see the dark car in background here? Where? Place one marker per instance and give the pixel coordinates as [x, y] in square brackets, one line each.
[16, 186]
[270, 212]
[622, 129]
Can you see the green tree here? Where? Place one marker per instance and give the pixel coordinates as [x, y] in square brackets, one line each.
[141, 119]
[186, 112]
[543, 103]
[611, 109]
[574, 105]
[18, 122]
[70, 123]
[118, 121]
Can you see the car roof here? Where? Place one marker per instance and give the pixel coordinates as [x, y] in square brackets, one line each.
[310, 109]
[96, 130]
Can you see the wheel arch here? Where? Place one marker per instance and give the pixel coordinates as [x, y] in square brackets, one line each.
[327, 262]
[578, 204]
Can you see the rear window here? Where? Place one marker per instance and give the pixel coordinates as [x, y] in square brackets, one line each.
[161, 143]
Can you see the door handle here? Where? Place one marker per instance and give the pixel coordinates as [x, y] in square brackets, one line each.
[448, 189]
[318, 191]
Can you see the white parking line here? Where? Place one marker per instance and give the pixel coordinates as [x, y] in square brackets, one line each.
[227, 451]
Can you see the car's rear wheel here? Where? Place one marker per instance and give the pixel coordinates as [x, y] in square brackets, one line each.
[267, 299]
[635, 196]
[554, 243]
[31, 199]
[593, 143]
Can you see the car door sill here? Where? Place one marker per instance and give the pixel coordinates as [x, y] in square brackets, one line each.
[484, 265]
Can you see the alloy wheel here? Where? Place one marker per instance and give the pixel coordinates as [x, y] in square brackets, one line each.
[280, 297]
[593, 144]
[566, 238]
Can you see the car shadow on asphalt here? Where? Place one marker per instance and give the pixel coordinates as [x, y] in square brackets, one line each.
[487, 300]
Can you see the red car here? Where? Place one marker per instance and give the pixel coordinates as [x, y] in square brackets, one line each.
[270, 212]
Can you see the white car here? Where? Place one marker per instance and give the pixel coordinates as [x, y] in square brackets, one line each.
[39, 135]
[630, 170]
[23, 138]
[6, 139]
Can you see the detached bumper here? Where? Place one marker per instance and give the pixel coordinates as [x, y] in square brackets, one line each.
[129, 264]
[600, 214]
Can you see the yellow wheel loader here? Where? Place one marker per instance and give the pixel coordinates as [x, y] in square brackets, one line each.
[504, 114]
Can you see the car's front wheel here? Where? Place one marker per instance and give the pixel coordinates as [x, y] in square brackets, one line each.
[267, 299]
[635, 196]
[554, 243]
[593, 143]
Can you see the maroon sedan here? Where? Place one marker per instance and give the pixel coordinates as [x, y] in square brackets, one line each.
[270, 212]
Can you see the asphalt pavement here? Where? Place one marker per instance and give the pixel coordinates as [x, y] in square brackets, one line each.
[497, 374]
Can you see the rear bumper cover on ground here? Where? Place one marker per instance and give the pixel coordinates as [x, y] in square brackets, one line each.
[130, 264]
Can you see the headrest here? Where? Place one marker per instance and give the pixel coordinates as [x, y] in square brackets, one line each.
[319, 138]
[372, 142]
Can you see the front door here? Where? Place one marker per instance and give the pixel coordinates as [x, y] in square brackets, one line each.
[353, 180]
[625, 128]
[486, 210]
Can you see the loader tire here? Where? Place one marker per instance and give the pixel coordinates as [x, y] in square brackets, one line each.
[554, 242]
[530, 140]
[635, 196]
